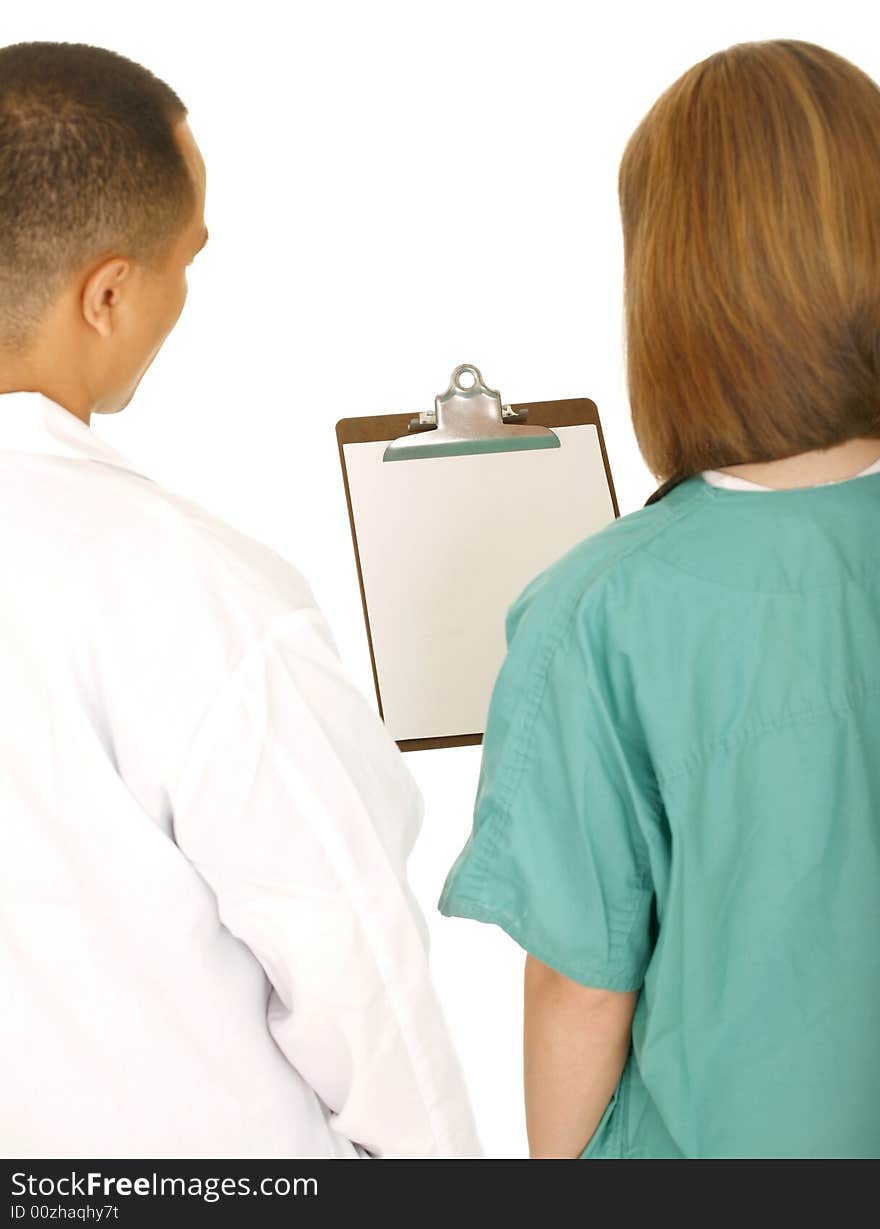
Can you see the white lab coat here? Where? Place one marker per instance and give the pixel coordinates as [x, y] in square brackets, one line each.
[208, 947]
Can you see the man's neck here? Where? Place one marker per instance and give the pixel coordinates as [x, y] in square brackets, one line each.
[10, 382]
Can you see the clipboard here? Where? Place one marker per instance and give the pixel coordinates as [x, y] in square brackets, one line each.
[452, 513]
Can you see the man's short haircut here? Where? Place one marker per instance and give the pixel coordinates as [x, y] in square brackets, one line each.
[750, 202]
[89, 167]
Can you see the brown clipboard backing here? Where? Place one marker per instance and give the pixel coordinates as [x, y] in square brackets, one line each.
[572, 412]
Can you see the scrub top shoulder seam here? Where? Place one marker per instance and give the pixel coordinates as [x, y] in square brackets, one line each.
[574, 592]
[849, 702]
[868, 575]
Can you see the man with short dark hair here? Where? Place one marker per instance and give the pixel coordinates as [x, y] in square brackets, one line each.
[208, 946]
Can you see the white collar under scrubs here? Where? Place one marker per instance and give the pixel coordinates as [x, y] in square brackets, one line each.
[731, 482]
[208, 947]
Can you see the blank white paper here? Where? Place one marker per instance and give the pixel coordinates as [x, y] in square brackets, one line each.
[446, 544]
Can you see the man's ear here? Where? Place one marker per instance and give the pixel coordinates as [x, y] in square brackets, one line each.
[102, 291]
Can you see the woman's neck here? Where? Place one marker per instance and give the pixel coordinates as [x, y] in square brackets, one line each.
[810, 468]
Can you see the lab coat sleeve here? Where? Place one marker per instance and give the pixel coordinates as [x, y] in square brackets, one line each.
[298, 810]
[567, 808]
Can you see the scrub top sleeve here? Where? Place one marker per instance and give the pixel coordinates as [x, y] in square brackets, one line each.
[297, 809]
[558, 855]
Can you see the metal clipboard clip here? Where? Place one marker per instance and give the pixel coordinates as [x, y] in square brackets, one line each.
[468, 418]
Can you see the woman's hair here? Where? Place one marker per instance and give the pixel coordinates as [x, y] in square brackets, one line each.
[750, 207]
[88, 166]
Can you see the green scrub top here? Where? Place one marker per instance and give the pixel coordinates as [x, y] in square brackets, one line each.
[679, 794]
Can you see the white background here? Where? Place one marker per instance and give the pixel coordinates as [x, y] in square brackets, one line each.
[393, 189]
